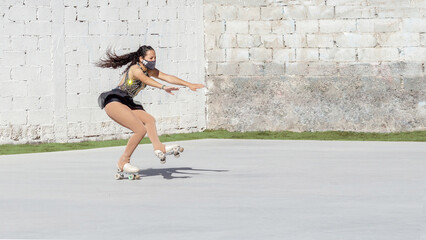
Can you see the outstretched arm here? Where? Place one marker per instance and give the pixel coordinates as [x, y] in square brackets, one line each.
[151, 82]
[174, 80]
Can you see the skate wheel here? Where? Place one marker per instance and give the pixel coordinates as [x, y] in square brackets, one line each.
[131, 177]
[162, 161]
[117, 176]
[181, 149]
[177, 155]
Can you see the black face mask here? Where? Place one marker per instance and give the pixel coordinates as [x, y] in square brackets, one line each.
[149, 64]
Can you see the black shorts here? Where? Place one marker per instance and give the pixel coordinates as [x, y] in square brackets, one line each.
[118, 95]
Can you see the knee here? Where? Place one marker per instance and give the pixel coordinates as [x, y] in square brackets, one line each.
[150, 120]
[140, 130]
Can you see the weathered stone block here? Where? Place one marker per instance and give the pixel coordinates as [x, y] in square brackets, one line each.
[355, 40]
[132, 13]
[398, 39]
[227, 41]
[211, 68]
[23, 43]
[307, 54]
[133, 27]
[272, 68]
[284, 55]
[378, 54]
[14, 58]
[117, 28]
[260, 54]
[399, 3]
[148, 13]
[71, 3]
[40, 117]
[320, 12]
[6, 104]
[307, 26]
[226, 12]
[296, 68]
[109, 13]
[423, 39]
[415, 54]
[283, 26]
[249, 13]
[230, 68]
[77, 57]
[399, 12]
[25, 73]
[347, 2]
[296, 12]
[73, 101]
[413, 25]
[354, 12]
[167, 13]
[38, 58]
[22, 13]
[410, 69]
[76, 28]
[251, 69]
[14, 28]
[245, 40]
[214, 28]
[378, 25]
[89, 14]
[358, 69]
[260, 27]
[272, 41]
[78, 115]
[322, 69]
[295, 40]
[337, 54]
[13, 117]
[414, 84]
[335, 26]
[272, 13]
[209, 12]
[44, 13]
[237, 27]
[320, 40]
[209, 41]
[237, 54]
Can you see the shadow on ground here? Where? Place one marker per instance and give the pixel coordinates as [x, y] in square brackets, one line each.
[167, 172]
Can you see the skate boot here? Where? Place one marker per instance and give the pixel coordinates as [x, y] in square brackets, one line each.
[170, 149]
[128, 171]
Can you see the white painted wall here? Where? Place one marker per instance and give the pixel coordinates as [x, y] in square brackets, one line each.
[49, 84]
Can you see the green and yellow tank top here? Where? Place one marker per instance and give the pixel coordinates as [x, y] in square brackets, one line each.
[133, 86]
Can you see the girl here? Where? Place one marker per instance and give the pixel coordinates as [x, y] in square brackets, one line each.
[119, 104]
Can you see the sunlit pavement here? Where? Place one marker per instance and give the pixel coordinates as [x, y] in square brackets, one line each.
[220, 189]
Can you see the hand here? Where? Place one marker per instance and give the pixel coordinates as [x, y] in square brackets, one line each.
[194, 87]
[170, 89]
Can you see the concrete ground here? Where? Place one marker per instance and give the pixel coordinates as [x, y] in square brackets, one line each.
[220, 189]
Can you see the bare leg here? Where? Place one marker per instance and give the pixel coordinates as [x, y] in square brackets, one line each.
[125, 117]
[151, 128]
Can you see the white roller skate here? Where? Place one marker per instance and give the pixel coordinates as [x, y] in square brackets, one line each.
[129, 171]
[170, 149]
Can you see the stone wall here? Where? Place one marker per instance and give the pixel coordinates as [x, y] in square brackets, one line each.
[316, 65]
[49, 84]
[313, 65]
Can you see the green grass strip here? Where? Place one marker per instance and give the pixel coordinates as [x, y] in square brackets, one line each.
[416, 136]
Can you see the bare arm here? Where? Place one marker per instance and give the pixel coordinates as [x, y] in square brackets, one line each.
[151, 82]
[174, 80]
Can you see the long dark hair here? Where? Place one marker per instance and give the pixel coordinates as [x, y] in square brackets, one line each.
[113, 60]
